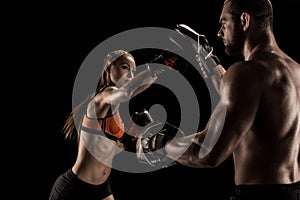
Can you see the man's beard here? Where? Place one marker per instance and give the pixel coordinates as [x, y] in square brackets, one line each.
[234, 47]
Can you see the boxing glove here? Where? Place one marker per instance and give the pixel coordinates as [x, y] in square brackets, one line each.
[139, 121]
[151, 142]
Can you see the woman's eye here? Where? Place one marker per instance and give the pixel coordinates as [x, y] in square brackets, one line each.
[124, 67]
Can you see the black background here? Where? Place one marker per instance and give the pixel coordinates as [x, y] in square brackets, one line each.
[51, 40]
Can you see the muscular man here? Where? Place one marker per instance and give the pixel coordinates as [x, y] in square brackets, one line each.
[258, 117]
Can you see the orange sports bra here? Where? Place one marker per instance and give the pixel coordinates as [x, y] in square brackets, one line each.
[112, 126]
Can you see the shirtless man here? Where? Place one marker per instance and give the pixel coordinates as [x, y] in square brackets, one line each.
[257, 119]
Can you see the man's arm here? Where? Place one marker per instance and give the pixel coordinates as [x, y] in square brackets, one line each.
[232, 118]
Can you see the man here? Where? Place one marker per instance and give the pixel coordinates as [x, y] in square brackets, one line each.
[258, 117]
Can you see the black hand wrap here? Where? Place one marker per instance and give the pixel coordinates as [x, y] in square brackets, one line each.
[129, 142]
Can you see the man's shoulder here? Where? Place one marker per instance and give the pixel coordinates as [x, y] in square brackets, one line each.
[247, 68]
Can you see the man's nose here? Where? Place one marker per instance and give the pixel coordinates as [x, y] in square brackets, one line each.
[220, 33]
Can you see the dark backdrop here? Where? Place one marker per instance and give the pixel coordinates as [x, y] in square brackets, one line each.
[62, 35]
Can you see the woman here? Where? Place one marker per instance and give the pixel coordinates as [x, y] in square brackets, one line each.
[101, 132]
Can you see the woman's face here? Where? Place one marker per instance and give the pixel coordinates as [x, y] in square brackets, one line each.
[122, 70]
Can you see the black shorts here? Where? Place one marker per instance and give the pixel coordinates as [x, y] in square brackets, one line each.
[276, 191]
[68, 186]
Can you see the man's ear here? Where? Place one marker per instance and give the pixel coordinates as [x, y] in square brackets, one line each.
[245, 20]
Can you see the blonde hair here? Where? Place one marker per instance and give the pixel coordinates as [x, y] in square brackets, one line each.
[75, 117]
